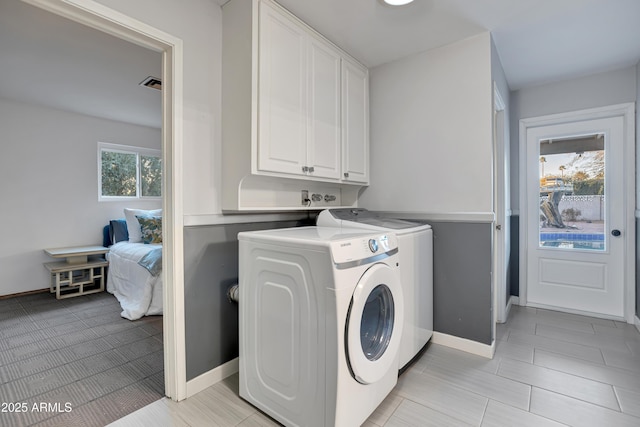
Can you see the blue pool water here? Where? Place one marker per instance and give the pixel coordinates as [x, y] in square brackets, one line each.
[591, 241]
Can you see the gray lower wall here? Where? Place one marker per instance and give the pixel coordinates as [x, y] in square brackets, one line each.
[462, 287]
[462, 290]
[211, 267]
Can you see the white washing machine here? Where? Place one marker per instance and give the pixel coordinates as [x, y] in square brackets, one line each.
[415, 243]
[320, 323]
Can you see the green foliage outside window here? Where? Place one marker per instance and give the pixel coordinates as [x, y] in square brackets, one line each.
[118, 174]
[130, 174]
[151, 176]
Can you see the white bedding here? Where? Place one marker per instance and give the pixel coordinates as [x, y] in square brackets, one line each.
[139, 293]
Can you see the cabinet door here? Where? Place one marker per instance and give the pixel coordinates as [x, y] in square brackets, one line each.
[324, 132]
[282, 93]
[355, 122]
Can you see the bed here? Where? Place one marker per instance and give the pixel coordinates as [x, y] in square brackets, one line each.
[135, 263]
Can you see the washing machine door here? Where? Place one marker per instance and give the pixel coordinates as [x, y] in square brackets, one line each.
[374, 324]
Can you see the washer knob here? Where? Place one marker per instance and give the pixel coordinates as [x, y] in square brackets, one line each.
[373, 245]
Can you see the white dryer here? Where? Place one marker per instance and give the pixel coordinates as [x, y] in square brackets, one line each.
[415, 242]
[320, 323]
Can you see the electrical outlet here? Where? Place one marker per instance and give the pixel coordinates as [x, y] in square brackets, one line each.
[304, 197]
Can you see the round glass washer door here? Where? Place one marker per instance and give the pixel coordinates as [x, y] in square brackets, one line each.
[375, 324]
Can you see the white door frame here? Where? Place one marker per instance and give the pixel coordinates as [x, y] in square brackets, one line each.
[500, 191]
[102, 18]
[627, 111]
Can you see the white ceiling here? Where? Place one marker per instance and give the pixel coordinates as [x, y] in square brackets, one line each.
[538, 40]
[53, 61]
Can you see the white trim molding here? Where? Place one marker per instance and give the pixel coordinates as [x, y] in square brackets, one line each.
[472, 217]
[464, 344]
[212, 377]
[637, 323]
[102, 18]
[220, 219]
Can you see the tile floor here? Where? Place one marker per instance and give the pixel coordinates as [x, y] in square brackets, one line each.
[550, 369]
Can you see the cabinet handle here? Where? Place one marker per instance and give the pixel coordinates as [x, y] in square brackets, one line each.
[346, 174]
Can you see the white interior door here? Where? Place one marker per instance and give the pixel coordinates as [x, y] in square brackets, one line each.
[576, 216]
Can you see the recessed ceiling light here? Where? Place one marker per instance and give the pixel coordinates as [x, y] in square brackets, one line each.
[397, 2]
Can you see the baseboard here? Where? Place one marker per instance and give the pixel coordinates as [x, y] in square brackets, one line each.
[637, 322]
[513, 300]
[21, 294]
[464, 344]
[211, 377]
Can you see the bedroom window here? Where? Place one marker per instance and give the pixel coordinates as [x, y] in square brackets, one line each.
[126, 172]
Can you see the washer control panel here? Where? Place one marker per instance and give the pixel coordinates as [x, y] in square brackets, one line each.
[361, 248]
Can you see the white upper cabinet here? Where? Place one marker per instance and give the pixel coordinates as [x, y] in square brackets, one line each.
[294, 111]
[299, 99]
[282, 99]
[324, 121]
[355, 122]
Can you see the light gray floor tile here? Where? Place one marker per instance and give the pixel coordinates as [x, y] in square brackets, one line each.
[574, 317]
[412, 414]
[259, 420]
[567, 323]
[589, 339]
[157, 414]
[440, 354]
[494, 387]
[634, 346]
[579, 351]
[560, 382]
[576, 412]
[385, 409]
[502, 332]
[629, 402]
[501, 415]
[443, 397]
[512, 350]
[621, 360]
[627, 331]
[228, 410]
[524, 323]
[593, 371]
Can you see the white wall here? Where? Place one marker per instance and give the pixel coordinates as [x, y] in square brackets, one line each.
[431, 143]
[199, 24]
[598, 90]
[49, 186]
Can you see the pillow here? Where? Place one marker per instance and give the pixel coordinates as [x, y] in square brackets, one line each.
[133, 226]
[118, 230]
[150, 228]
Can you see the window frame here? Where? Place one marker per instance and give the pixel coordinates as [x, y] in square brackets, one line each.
[127, 149]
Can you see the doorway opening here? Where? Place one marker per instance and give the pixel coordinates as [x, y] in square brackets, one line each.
[97, 16]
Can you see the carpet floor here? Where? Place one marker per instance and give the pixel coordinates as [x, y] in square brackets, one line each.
[76, 362]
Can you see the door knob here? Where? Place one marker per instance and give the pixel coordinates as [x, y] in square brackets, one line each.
[615, 233]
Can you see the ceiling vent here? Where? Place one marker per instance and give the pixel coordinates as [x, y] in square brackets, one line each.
[152, 82]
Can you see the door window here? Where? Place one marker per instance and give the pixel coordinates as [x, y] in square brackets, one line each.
[572, 192]
[376, 325]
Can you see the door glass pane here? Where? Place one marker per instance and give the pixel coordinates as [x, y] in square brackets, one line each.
[376, 324]
[572, 193]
